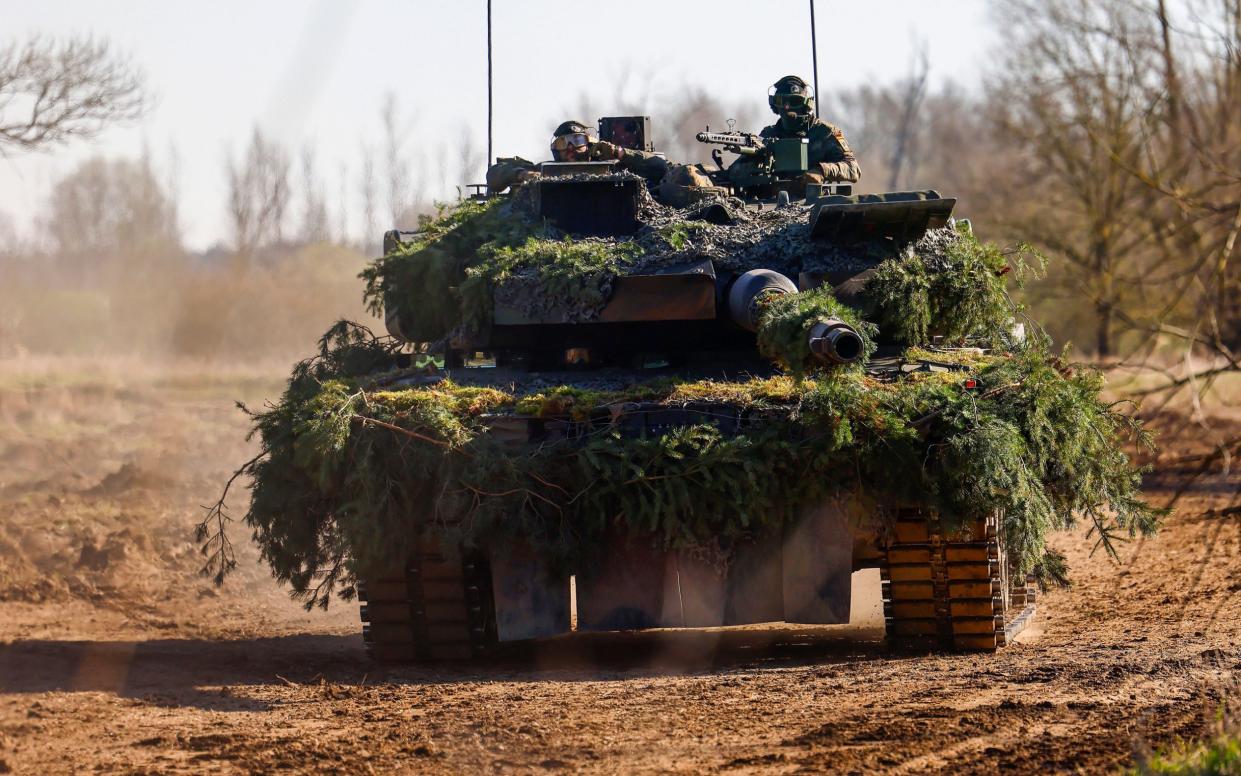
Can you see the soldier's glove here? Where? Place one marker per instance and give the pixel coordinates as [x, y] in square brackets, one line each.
[605, 151]
[810, 177]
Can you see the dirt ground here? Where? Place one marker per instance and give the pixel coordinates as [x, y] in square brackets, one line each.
[116, 657]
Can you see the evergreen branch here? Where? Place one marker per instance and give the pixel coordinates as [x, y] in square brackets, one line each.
[921, 423]
[1106, 536]
[322, 593]
[368, 421]
[216, 545]
[542, 481]
[525, 491]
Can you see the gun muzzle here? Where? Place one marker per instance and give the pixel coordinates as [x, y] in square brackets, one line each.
[833, 341]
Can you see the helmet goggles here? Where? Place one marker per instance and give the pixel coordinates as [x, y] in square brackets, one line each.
[790, 101]
[573, 141]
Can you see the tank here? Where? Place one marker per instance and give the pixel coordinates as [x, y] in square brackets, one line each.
[689, 310]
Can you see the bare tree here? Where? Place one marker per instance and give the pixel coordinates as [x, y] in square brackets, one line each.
[891, 129]
[315, 227]
[172, 184]
[258, 195]
[470, 159]
[342, 205]
[397, 171]
[53, 91]
[1072, 94]
[911, 96]
[584, 108]
[692, 111]
[441, 175]
[109, 217]
[1130, 130]
[368, 187]
[1126, 120]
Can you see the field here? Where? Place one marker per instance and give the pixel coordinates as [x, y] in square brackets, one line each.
[115, 656]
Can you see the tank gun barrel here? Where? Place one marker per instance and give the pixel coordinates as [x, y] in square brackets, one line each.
[832, 341]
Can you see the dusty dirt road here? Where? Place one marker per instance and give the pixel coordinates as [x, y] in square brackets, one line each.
[115, 657]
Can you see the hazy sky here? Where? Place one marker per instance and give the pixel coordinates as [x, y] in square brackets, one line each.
[315, 72]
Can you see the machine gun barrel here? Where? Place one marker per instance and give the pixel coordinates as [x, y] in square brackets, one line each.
[744, 143]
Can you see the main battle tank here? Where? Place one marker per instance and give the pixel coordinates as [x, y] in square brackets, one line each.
[686, 312]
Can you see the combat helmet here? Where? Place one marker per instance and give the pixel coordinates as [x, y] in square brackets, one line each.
[569, 135]
[791, 94]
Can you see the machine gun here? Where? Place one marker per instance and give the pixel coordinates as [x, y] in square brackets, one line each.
[764, 167]
[740, 143]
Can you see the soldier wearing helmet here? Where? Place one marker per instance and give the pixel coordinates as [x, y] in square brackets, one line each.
[573, 141]
[831, 160]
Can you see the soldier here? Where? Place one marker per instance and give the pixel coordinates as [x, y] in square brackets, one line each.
[686, 184]
[829, 156]
[573, 141]
[509, 171]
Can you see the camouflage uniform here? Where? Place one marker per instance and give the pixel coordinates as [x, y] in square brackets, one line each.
[678, 185]
[648, 164]
[685, 184]
[509, 171]
[515, 170]
[829, 155]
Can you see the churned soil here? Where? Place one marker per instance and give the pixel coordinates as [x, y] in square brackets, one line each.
[115, 656]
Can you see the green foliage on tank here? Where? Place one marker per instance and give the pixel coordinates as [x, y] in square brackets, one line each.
[352, 469]
[356, 460]
[951, 285]
[786, 322]
[449, 275]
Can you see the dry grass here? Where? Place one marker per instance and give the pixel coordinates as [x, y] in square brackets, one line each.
[219, 310]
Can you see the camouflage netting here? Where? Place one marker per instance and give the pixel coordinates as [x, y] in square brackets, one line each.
[442, 282]
[359, 455]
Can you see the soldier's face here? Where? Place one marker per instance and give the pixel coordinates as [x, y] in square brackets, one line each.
[570, 148]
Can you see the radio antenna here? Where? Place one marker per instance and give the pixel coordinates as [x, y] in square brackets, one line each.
[814, 54]
[490, 158]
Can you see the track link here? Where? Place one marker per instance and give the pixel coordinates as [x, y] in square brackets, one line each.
[950, 591]
[439, 607]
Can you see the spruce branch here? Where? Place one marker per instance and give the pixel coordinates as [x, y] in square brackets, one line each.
[212, 531]
[368, 421]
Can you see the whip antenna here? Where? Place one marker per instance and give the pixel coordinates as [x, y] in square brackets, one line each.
[814, 54]
[490, 158]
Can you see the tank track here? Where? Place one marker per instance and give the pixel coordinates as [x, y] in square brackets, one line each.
[951, 592]
[439, 607]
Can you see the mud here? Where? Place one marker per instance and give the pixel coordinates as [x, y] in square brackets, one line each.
[116, 657]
